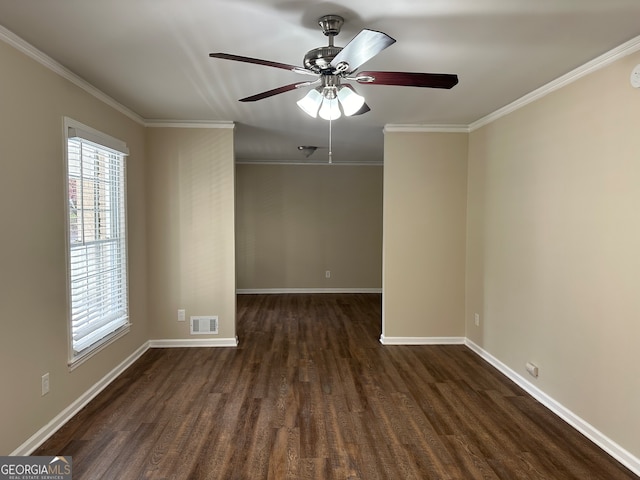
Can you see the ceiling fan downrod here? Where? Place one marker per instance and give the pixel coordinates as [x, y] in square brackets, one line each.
[319, 59]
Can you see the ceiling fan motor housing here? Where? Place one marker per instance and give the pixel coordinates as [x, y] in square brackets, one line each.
[319, 59]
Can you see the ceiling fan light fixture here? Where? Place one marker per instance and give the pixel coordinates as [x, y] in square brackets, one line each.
[310, 103]
[351, 102]
[307, 150]
[330, 109]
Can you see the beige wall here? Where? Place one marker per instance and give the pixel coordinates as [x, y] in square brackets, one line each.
[190, 221]
[425, 181]
[33, 305]
[552, 235]
[294, 222]
[553, 240]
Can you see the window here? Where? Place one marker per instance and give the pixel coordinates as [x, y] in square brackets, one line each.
[97, 239]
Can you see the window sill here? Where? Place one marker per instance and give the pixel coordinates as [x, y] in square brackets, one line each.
[89, 352]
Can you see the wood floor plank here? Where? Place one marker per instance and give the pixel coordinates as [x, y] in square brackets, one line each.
[310, 393]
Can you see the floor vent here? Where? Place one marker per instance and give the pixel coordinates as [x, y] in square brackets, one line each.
[202, 325]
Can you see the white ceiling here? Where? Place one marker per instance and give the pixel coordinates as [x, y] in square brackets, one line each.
[152, 57]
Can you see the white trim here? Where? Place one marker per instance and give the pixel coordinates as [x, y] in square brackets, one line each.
[67, 414]
[188, 124]
[597, 63]
[607, 58]
[75, 361]
[422, 340]
[264, 291]
[601, 440]
[313, 163]
[73, 129]
[589, 431]
[48, 62]
[621, 51]
[415, 128]
[194, 342]
[611, 56]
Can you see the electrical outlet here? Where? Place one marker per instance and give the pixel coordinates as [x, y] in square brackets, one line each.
[181, 315]
[45, 383]
[327, 274]
[476, 319]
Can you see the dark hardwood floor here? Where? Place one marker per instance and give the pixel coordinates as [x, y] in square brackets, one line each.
[311, 393]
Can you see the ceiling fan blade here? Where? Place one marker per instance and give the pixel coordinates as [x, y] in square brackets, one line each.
[275, 91]
[364, 46]
[364, 109]
[408, 79]
[266, 63]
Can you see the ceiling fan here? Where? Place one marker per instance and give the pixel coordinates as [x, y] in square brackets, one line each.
[332, 65]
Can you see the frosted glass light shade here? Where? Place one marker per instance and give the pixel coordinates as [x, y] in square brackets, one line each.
[351, 102]
[311, 102]
[330, 110]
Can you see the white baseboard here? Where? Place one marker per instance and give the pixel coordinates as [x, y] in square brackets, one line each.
[63, 417]
[422, 340]
[194, 342]
[262, 291]
[588, 430]
[597, 437]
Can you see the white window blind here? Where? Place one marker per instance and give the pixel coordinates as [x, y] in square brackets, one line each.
[97, 240]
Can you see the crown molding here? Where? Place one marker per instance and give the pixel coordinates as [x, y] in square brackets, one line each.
[19, 44]
[307, 164]
[43, 59]
[607, 58]
[597, 63]
[416, 128]
[188, 124]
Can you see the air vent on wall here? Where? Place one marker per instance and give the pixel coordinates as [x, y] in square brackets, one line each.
[201, 325]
